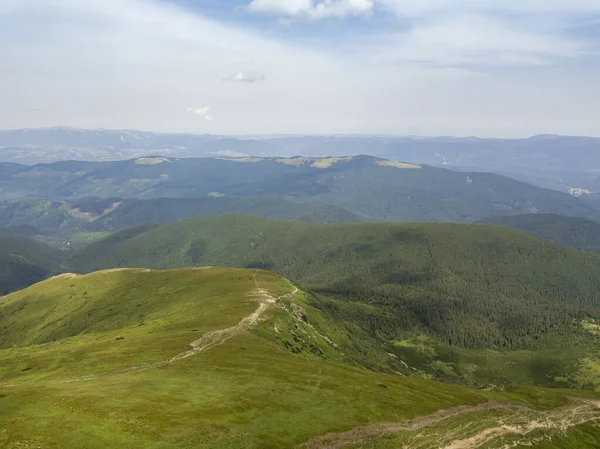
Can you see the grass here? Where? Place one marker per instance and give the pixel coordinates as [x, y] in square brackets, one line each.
[85, 238]
[498, 306]
[59, 323]
[252, 391]
[554, 429]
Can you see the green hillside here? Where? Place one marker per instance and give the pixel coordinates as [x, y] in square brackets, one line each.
[24, 261]
[83, 220]
[169, 210]
[387, 191]
[232, 358]
[439, 296]
[577, 233]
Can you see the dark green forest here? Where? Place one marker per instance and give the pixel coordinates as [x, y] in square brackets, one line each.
[24, 261]
[575, 232]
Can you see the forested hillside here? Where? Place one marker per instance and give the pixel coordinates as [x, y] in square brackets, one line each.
[473, 286]
[77, 220]
[574, 232]
[367, 187]
[24, 261]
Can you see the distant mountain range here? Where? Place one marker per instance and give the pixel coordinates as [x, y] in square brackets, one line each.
[99, 196]
[569, 164]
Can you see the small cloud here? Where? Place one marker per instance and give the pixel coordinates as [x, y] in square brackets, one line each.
[246, 77]
[201, 112]
[311, 9]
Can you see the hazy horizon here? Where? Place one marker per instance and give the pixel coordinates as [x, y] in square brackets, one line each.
[291, 135]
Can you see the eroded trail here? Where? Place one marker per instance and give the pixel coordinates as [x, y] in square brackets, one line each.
[504, 432]
[361, 434]
[215, 338]
[208, 341]
[520, 428]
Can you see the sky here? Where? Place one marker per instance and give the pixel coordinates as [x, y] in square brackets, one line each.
[502, 68]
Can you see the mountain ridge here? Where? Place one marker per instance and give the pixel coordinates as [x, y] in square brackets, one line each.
[370, 187]
[459, 289]
[222, 357]
[558, 162]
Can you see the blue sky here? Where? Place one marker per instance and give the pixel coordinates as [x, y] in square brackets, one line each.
[430, 67]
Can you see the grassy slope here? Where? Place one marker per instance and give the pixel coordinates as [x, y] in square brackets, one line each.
[248, 392]
[577, 233]
[24, 261]
[411, 289]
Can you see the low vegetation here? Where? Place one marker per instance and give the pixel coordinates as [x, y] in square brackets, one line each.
[494, 305]
[104, 360]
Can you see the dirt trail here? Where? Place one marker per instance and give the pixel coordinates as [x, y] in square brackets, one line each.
[360, 434]
[518, 424]
[560, 419]
[208, 341]
[215, 338]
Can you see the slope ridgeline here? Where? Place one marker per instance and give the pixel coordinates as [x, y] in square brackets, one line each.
[473, 286]
[236, 358]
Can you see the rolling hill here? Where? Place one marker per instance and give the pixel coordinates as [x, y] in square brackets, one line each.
[236, 358]
[560, 162]
[574, 232]
[24, 261]
[9, 168]
[438, 296]
[375, 189]
[82, 220]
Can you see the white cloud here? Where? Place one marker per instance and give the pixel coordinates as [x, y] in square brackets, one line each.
[454, 33]
[246, 77]
[481, 41]
[419, 8]
[201, 112]
[311, 9]
[100, 63]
